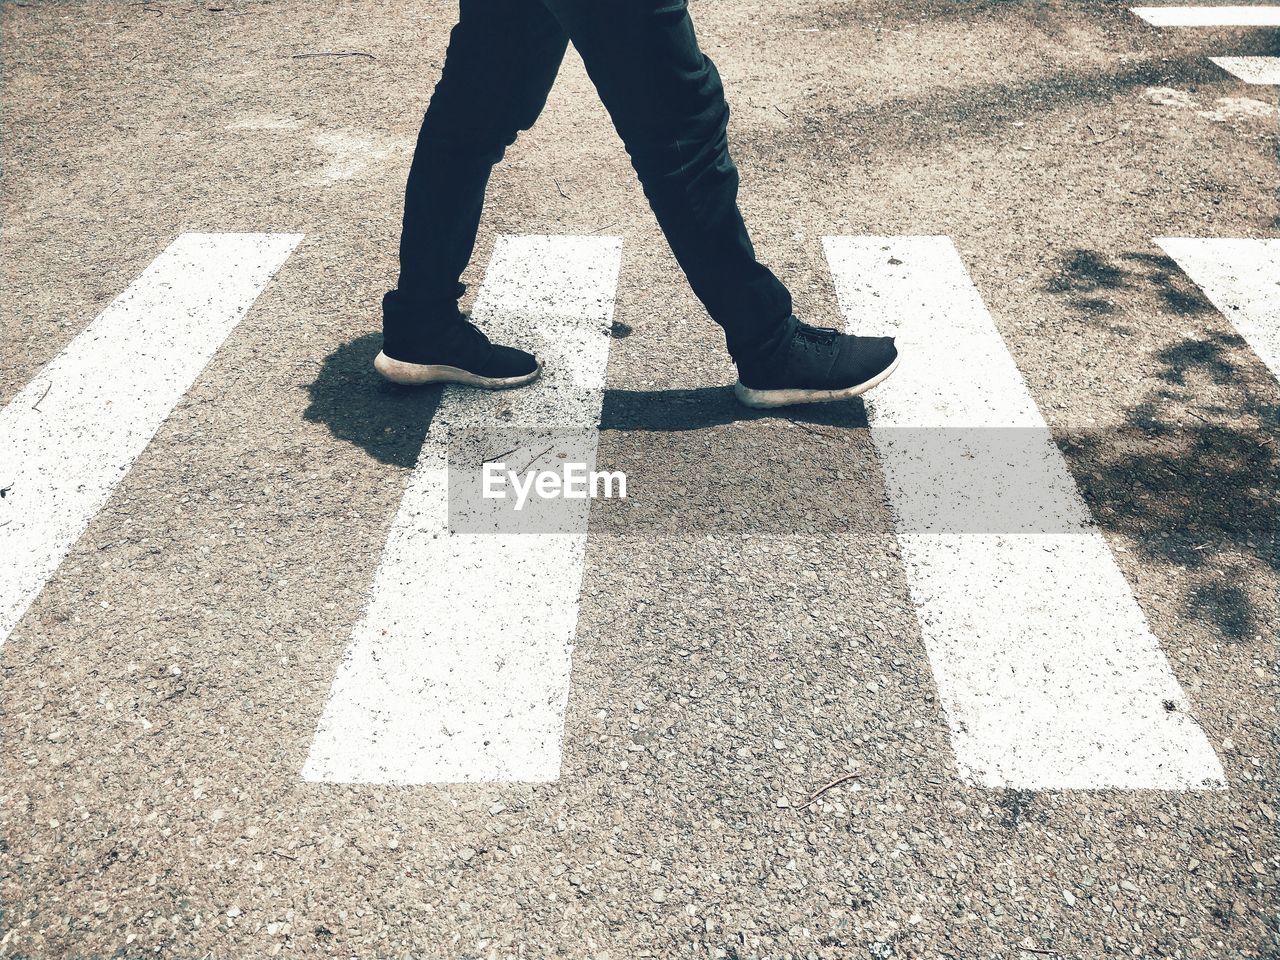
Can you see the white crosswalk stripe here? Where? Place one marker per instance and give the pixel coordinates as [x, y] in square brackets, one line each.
[1254, 70]
[458, 670]
[74, 431]
[1210, 16]
[1049, 674]
[1262, 71]
[1242, 279]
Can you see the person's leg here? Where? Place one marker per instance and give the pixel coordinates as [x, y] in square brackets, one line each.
[667, 103]
[502, 60]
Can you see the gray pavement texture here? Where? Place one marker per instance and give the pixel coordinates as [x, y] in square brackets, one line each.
[159, 697]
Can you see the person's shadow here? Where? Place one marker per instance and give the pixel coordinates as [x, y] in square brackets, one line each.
[390, 422]
[387, 421]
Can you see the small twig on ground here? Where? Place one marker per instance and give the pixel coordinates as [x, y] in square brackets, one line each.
[335, 53]
[1099, 139]
[497, 458]
[781, 111]
[838, 781]
[536, 459]
[36, 405]
[1051, 953]
[605, 227]
[280, 853]
[560, 188]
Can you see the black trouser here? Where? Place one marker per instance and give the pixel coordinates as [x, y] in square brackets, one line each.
[667, 103]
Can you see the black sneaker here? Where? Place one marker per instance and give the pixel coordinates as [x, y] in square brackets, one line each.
[455, 353]
[817, 366]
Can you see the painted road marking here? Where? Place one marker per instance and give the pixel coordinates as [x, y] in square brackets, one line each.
[1242, 279]
[1047, 670]
[1209, 16]
[1264, 71]
[458, 671]
[74, 431]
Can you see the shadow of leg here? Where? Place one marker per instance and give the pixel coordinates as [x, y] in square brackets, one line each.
[359, 407]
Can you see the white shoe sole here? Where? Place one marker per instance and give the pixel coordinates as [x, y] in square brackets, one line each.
[419, 374]
[763, 399]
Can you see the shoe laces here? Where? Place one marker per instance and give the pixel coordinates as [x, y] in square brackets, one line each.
[471, 333]
[815, 336]
[462, 344]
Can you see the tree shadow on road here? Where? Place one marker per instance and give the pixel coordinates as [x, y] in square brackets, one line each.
[1050, 15]
[1090, 281]
[978, 112]
[1188, 480]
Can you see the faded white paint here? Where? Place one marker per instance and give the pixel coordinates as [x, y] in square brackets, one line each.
[1210, 16]
[352, 153]
[459, 669]
[1241, 277]
[1222, 110]
[1047, 670]
[1263, 71]
[74, 431]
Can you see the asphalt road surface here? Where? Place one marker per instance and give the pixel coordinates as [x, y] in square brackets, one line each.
[982, 668]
